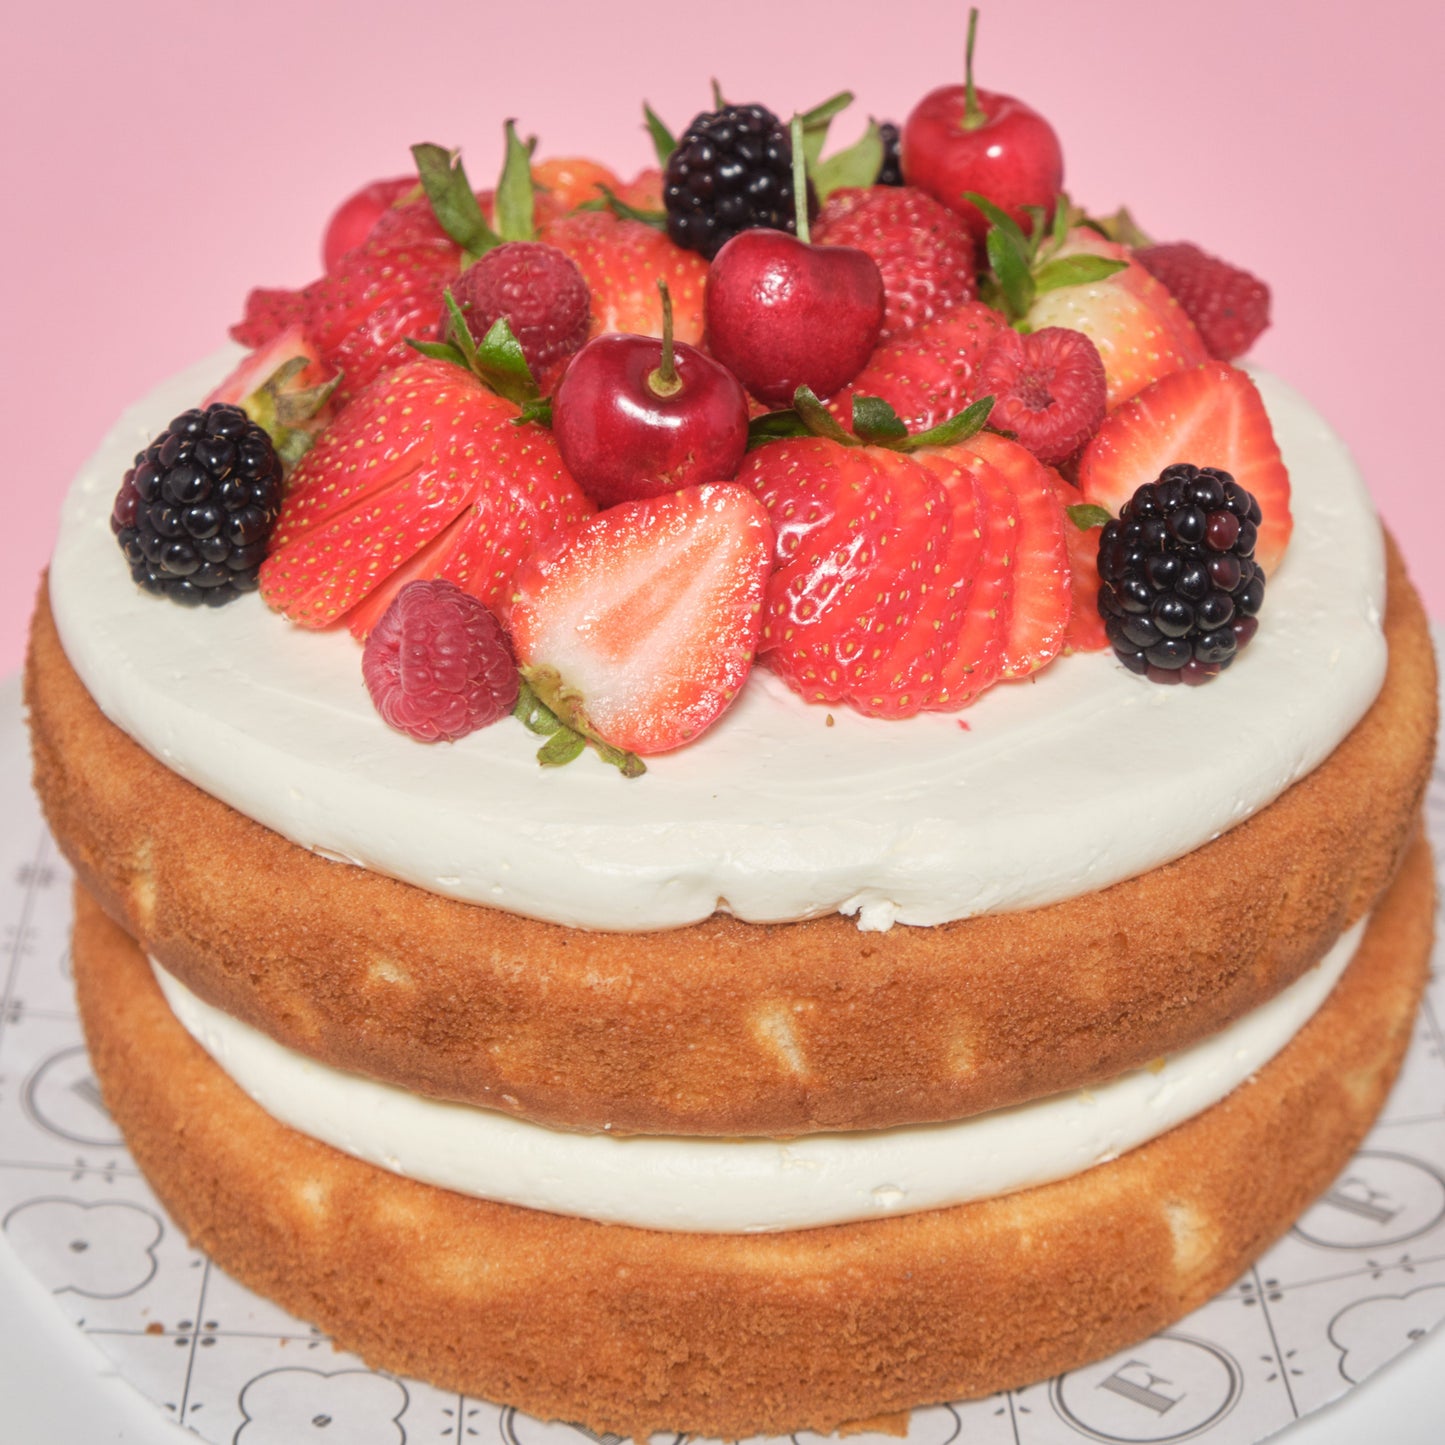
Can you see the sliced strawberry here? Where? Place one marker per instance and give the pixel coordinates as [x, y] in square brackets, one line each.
[1042, 586]
[382, 492]
[929, 373]
[257, 368]
[1211, 416]
[639, 625]
[1086, 623]
[622, 262]
[1141, 331]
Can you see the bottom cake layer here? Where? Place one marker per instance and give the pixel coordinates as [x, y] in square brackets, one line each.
[632, 1331]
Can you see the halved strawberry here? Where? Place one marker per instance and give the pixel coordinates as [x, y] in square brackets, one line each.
[253, 371]
[1141, 331]
[639, 625]
[1209, 415]
[927, 374]
[403, 467]
[1042, 587]
[622, 261]
[1086, 623]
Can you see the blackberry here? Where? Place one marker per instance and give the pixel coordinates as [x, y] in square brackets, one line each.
[731, 170]
[1181, 590]
[890, 173]
[194, 514]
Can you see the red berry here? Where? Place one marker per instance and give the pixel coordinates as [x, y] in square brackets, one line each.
[356, 217]
[538, 289]
[437, 665]
[1228, 306]
[1048, 388]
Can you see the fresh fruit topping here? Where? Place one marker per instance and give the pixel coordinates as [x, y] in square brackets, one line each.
[644, 191]
[635, 417]
[541, 293]
[622, 261]
[923, 251]
[438, 665]
[1181, 589]
[731, 169]
[638, 626]
[1211, 414]
[959, 139]
[427, 473]
[890, 173]
[1048, 389]
[782, 313]
[1228, 306]
[570, 181]
[285, 388]
[356, 217]
[929, 373]
[1038, 619]
[1081, 533]
[1141, 331]
[194, 513]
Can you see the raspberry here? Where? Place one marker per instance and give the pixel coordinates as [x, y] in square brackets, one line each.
[438, 665]
[538, 289]
[1228, 306]
[732, 169]
[1049, 389]
[194, 514]
[1181, 590]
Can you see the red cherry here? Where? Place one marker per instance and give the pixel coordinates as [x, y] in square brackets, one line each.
[962, 139]
[782, 313]
[635, 417]
[354, 218]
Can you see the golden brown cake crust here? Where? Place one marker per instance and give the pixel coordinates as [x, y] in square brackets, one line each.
[730, 1335]
[729, 1027]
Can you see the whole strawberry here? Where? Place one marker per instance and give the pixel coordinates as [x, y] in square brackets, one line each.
[923, 250]
[1228, 306]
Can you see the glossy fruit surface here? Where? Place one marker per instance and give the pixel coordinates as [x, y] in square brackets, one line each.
[1012, 159]
[624, 436]
[782, 313]
[356, 217]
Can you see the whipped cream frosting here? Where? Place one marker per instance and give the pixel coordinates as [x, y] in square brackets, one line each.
[744, 1186]
[1076, 779]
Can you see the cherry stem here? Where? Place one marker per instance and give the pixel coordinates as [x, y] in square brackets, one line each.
[663, 379]
[800, 180]
[973, 116]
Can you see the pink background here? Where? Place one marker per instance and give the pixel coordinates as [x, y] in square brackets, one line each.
[163, 156]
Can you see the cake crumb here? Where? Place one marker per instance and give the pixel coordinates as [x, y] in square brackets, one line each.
[894, 1424]
[828, 721]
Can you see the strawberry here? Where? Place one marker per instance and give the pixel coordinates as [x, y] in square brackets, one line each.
[622, 261]
[254, 370]
[929, 373]
[1042, 577]
[356, 217]
[638, 626]
[1086, 623]
[922, 249]
[360, 314]
[644, 191]
[568, 181]
[425, 474]
[1228, 306]
[1211, 416]
[1141, 331]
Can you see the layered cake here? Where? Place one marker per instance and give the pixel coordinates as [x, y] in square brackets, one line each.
[886, 988]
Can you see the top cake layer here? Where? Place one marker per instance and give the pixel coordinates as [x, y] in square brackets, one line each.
[1040, 792]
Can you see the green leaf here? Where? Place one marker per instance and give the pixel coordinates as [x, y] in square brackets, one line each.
[1001, 220]
[816, 123]
[1010, 262]
[1079, 270]
[611, 201]
[718, 100]
[532, 712]
[818, 419]
[501, 363]
[663, 141]
[459, 332]
[774, 425]
[876, 423]
[1122, 227]
[539, 411]
[515, 218]
[857, 165]
[453, 200]
[438, 350]
[1086, 515]
[628, 764]
[969, 422]
[561, 748]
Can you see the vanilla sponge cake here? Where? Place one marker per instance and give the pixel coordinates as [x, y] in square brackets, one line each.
[1094, 875]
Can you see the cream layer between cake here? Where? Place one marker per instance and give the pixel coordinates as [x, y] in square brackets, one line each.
[1081, 777]
[738, 1186]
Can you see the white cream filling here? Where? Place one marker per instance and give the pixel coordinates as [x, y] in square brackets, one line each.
[1042, 791]
[745, 1186]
